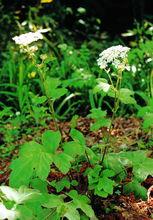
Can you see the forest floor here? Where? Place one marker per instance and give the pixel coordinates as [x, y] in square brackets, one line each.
[126, 134]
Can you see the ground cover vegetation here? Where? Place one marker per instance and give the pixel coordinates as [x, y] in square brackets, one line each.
[76, 120]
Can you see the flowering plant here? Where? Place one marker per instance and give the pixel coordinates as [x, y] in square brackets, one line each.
[115, 55]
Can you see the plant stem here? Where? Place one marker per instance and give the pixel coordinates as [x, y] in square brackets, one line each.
[50, 102]
[116, 105]
[51, 107]
[151, 84]
[87, 157]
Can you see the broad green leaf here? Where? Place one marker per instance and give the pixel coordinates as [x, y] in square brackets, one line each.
[82, 202]
[106, 184]
[142, 170]
[25, 213]
[100, 193]
[93, 157]
[148, 121]
[97, 113]
[78, 136]
[63, 162]
[39, 184]
[60, 185]
[51, 83]
[100, 119]
[137, 188]
[51, 141]
[73, 122]
[72, 213]
[108, 173]
[37, 100]
[125, 96]
[22, 171]
[100, 123]
[73, 148]
[51, 89]
[53, 201]
[33, 160]
[42, 165]
[74, 183]
[132, 157]
[55, 94]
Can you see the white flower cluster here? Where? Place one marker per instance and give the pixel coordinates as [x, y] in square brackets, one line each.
[28, 38]
[115, 55]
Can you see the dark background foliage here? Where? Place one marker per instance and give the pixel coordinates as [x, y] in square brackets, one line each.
[116, 16]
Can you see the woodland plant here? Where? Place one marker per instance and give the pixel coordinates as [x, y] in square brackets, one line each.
[113, 61]
[32, 193]
[27, 196]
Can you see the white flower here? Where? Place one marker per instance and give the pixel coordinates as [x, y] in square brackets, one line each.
[8, 214]
[151, 28]
[18, 196]
[17, 113]
[104, 86]
[149, 60]
[80, 21]
[115, 55]
[81, 10]
[133, 68]
[28, 38]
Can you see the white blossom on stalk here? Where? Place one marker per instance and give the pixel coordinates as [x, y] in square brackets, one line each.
[30, 37]
[115, 55]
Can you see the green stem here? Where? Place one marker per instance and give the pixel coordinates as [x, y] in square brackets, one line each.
[51, 107]
[87, 157]
[151, 84]
[116, 105]
[50, 102]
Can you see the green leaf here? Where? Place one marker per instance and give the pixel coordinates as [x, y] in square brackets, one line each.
[72, 213]
[135, 186]
[125, 96]
[58, 93]
[142, 170]
[74, 183]
[148, 121]
[73, 122]
[51, 89]
[22, 171]
[60, 185]
[77, 136]
[108, 173]
[25, 213]
[51, 83]
[62, 162]
[37, 100]
[101, 193]
[63, 209]
[82, 202]
[100, 123]
[51, 141]
[97, 113]
[53, 201]
[33, 160]
[39, 184]
[73, 148]
[100, 119]
[106, 184]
